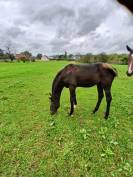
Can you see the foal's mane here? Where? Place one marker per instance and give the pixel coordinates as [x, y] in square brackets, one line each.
[56, 80]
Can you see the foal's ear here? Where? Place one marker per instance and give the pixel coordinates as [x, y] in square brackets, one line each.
[128, 48]
[127, 3]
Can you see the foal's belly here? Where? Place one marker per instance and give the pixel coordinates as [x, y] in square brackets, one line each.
[83, 79]
[88, 82]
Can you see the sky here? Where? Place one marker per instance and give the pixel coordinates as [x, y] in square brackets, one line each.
[55, 26]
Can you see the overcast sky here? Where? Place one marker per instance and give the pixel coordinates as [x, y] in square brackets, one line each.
[55, 26]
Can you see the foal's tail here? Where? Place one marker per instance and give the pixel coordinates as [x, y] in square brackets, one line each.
[111, 69]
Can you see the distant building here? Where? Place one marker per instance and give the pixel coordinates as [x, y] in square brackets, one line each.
[22, 57]
[18, 56]
[44, 58]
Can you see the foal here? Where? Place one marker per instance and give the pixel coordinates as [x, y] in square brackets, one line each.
[83, 75]
[130, 61]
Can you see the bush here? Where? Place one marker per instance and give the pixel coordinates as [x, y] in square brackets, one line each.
[110, 58]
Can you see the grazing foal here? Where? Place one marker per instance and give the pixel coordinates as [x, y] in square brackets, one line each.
[83, 75]
[130, 61]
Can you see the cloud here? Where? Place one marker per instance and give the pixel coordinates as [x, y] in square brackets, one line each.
[77, 26]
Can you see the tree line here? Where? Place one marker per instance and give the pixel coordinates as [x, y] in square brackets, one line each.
[103, 57]
[8, 55]
[92, 58]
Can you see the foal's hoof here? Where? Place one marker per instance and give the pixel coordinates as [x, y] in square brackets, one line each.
[106, 117]
[70, 114]
[93, 112]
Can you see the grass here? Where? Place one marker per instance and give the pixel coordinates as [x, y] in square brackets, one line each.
[35, 144]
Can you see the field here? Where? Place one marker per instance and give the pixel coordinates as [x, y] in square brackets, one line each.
[35, 144]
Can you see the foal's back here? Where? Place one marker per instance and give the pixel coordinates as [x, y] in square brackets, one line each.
[87, 75]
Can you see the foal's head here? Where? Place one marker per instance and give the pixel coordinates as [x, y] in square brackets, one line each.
[54, 105]
[130, 61]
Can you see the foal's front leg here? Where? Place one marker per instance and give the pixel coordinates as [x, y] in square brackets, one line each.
[72, 99]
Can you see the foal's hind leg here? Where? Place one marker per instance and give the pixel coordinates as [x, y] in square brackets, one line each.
[75, 100]
[108, 100]
[72, 99]
[100, 97]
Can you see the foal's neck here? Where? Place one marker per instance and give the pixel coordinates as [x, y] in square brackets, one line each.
[56, 91]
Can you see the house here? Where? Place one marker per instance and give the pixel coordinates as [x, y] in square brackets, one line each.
[22, 57]
[44, 58]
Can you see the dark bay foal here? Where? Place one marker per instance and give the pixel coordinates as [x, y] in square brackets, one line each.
[84, 75]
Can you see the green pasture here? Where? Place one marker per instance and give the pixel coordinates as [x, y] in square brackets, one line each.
[35, 144]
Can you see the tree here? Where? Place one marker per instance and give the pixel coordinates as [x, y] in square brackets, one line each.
[39, 56]
[103, 57]
[1, 52]
[27, 54]
[10, 53]
[71, 57]
[65, 56]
